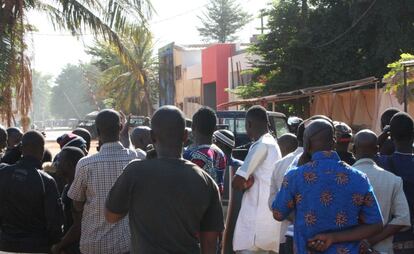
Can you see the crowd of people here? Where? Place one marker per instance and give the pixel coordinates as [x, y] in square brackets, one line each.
[324, 188]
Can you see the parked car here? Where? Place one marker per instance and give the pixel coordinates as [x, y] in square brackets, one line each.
[235, 122]
[88, 123]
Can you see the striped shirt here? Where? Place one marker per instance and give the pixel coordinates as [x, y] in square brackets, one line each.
[94, 178]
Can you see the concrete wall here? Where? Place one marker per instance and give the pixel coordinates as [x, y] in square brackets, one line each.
[215, 69]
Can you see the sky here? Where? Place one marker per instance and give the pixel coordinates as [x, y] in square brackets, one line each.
[174, 21]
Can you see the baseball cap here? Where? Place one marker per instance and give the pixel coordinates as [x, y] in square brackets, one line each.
[343, 132]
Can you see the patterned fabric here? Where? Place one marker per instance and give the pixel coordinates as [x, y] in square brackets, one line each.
[94, 178]
[326, 195]
[211, 159]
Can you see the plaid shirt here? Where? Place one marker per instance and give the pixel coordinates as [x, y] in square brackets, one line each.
[94, 178]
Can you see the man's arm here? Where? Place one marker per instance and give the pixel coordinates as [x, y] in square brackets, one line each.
[322, 242]
[117, 202]
[112, 217]
[399, 213]
[254, 158]
[53, 210]
[74, 233]
[208, 242]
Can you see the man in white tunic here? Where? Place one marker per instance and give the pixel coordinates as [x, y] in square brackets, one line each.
[256, 229]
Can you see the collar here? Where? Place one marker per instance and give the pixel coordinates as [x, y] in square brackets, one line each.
[364, 161]
[30, 161]
[325, 155]
[262, 137]
[298, 150]
[111, 146]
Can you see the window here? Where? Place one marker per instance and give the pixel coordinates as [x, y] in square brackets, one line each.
[241, 126]
[178, 72]
[281, 126]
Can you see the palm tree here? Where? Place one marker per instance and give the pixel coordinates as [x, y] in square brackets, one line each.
[77, 16]
[132, 87]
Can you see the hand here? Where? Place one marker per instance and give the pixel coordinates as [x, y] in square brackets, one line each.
[241, 184]
[365, 248]
[249, 183]
[55, 249]
[321, 242]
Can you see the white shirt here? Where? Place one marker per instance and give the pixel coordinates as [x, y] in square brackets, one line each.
[279, 172]
[255, 227]
[141, 154]
[388, 189]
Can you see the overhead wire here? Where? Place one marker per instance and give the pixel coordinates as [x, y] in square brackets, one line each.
[349, 29]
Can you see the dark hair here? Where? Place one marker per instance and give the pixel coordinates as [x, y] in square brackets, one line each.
[205, 121]
[74, 154]
[85, 134]
[300, 131]
[387, 116]
[168, 124]
[402, 127]
[258, 114]
[108, 123]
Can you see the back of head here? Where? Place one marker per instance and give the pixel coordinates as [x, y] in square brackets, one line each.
[85, 134]
[108, 125]
[168, 128]
[72, 155]
[288, 143]
[343, 132]
[319, 136]
[141, 137]
[387, 116]
[33, 145]
[14, 136]
[204, 121]
[299, 133]
[402, 128]
[365, 144]
[258, 115]
[3, 137]
[225, 140]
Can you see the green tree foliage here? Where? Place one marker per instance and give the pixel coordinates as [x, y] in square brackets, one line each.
[42, 91]
[395, 77]
[71, 97]
[320, 42]
[130, 88]
[105, 19]
[221, 20]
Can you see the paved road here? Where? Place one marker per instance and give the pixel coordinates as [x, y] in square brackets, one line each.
[52, 135]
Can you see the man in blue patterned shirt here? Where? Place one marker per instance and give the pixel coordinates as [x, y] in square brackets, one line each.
[333, 204]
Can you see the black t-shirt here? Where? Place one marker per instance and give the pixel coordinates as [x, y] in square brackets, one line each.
[169, 202]
[12, 155]
[347, 157]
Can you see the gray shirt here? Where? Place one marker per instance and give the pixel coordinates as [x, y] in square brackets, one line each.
[388, 189]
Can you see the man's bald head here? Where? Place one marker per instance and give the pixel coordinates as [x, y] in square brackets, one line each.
[287, 143]
[141, 137]
[108, 125]
[168, 129]
[33, 145]
[319, 136]
[365, 144]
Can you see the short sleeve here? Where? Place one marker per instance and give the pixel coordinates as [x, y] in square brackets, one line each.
[213, 217]
[119, 197]
[256, 155]
[370, 211]
[77, 191]
[284, 202]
